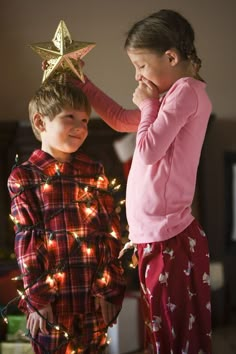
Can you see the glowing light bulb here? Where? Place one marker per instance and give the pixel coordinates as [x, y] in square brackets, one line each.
[117, 187]
[131, 265]
[100, 181]
[46, 186]
[50, 281]
[88, 210]
[25, 265]
[50, 243]
[88, 250]
[113, 182]
[59, 276]
[21, 294]
[113, 233]
[75, 235]
[105, 278]
[15, 221]
[57, 168]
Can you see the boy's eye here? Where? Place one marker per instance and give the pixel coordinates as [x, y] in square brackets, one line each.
[85, 120]
[141, 66]
[68, 116]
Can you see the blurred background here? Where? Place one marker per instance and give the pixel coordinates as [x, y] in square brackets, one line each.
[106, 22]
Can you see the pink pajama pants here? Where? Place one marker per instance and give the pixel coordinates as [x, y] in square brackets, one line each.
[175, 292]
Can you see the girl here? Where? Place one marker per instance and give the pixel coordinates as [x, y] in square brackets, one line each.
[171, 121]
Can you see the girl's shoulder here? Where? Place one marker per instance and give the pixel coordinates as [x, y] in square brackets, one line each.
[188, 83]
[187, 88]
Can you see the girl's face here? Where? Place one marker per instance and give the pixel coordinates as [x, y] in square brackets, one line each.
[65, 133]
[154, 67]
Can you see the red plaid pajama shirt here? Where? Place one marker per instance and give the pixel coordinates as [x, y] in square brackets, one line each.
[67, 241]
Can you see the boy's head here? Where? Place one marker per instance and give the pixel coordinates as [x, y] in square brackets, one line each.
[55, 95]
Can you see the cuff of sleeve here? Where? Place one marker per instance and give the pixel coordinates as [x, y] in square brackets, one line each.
[80, 83]
[116, 299]
[149, 102]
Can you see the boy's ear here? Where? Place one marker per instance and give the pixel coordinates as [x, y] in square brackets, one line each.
[38, 120]
[172, 56]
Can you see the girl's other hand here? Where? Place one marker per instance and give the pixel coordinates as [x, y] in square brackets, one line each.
[145, 89]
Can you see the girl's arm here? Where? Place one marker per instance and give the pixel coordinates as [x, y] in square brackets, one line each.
[113, 114]
[160, 125]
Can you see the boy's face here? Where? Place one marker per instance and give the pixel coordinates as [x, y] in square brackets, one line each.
[65, 133]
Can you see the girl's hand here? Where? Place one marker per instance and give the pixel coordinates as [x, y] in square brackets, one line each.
[35, 322]
[145, 89]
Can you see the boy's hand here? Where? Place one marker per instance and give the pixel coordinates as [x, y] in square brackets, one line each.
[35, 322]
[109, 311]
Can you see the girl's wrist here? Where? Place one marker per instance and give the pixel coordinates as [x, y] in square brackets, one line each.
[147, 101]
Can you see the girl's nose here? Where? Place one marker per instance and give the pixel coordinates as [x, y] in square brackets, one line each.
[138, 76]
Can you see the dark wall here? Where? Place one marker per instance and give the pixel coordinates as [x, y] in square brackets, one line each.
[216, 209]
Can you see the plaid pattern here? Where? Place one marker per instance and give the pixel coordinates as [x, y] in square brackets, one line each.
[86, 329]
[63, 218]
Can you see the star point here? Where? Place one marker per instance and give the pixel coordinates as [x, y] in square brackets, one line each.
[62, 52]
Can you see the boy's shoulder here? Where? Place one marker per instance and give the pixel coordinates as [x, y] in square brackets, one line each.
[21, 172]
[86, 161]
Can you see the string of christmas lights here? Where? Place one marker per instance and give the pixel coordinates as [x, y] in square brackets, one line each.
[88, 202]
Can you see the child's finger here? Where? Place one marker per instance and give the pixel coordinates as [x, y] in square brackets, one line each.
[148, 83]
[42, 326]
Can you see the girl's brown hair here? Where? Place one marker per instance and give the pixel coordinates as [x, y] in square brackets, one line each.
[164, 30]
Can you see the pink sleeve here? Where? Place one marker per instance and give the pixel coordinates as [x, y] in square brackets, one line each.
[113, 114]
[161, 124]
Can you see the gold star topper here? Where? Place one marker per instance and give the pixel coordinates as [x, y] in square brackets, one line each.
[62, 52]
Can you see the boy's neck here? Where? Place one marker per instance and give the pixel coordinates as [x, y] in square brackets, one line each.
[61, 159]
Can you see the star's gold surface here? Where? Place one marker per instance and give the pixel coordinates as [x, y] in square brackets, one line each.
[62, 52]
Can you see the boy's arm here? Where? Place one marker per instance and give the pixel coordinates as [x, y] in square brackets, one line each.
[30, 249]
[110, 282]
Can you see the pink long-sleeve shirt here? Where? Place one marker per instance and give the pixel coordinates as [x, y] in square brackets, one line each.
[162, 178]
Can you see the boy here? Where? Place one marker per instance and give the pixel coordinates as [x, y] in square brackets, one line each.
[67, 232]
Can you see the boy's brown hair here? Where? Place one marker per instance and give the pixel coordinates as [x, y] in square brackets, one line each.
[54, 95]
